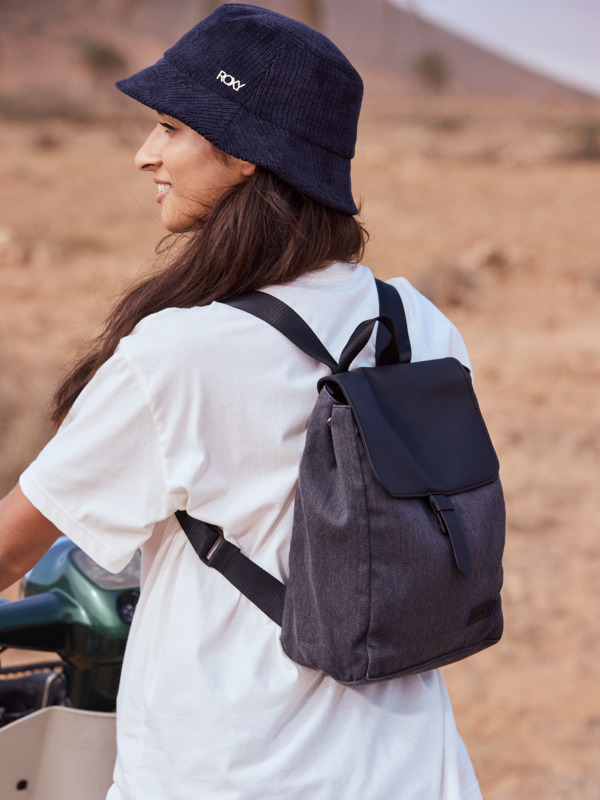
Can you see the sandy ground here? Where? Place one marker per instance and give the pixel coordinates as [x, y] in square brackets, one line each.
[492, 210]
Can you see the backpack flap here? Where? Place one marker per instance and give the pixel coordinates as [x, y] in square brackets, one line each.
[421, 426]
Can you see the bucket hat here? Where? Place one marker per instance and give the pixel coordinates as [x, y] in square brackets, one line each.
[267, 89]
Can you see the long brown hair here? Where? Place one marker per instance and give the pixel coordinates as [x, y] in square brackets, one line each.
[260, 232]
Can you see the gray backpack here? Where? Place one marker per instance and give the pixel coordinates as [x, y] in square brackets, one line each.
[398, 533]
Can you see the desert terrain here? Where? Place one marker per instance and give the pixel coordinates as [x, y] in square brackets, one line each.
[491, 208]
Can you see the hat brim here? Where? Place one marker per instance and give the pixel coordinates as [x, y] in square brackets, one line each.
[313, 170]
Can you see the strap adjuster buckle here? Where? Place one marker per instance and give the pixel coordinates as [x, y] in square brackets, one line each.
[212, 547]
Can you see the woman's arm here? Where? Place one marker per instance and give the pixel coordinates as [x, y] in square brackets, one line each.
[25, 535]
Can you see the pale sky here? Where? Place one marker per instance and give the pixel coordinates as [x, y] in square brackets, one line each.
[558, 37]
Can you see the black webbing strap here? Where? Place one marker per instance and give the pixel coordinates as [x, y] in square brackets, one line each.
[257, 584]
[391, 305]
[362, 335]
[287, 321]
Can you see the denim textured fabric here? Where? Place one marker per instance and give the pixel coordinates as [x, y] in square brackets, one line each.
[374, 590]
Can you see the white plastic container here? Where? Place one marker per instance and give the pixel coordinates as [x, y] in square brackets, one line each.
[58, 754]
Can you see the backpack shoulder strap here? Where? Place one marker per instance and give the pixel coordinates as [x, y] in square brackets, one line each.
[391, 305]
[287, 321]
[258, 585]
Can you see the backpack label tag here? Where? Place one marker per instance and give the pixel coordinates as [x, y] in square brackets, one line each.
[481, 611]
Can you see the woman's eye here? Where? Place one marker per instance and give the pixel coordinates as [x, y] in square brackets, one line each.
[167, 127]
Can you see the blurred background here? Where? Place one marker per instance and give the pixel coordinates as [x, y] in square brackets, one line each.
[478, 167]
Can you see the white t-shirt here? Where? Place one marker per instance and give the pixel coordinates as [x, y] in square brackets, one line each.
[206, 409]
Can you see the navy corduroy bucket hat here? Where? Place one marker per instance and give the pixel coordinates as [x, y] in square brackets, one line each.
[267, 89]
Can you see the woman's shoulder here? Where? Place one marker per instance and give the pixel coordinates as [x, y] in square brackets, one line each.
[174, 321]
[180, 326]
[203, 337]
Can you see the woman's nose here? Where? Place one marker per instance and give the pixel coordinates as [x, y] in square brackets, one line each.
[148, 157]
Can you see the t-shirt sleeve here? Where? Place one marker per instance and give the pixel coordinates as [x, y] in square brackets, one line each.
[101, 479]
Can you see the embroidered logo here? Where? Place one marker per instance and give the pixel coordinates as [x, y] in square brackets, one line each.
[481, 611]
[229, 80]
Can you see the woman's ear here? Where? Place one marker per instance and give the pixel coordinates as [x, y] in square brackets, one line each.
[247, 168]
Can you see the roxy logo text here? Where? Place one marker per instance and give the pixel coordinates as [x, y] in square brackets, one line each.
[229, 80]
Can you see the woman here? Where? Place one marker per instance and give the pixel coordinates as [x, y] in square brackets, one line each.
[187, 403]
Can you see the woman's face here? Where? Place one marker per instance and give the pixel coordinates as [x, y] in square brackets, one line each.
[188, 173]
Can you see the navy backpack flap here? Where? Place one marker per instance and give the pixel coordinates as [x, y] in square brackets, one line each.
[421, 426]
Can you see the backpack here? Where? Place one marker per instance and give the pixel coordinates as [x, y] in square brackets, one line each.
[395, 562]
